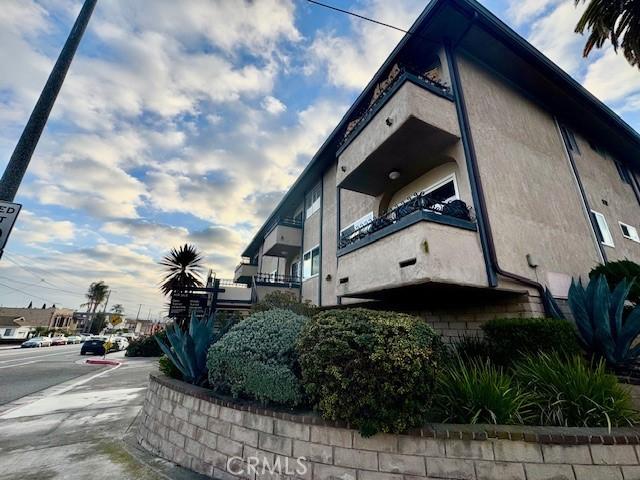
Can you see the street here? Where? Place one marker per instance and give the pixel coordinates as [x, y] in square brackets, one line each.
[62, 419]
[28, 370]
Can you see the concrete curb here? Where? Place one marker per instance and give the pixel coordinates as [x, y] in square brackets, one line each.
[102, 362]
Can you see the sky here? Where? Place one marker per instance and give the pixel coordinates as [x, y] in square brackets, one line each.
[187, 122]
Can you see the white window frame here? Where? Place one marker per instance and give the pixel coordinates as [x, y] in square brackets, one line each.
[304, 272]
[601, 221]
[312, 208]
[357, 224]
[633, 232]
[443, 181]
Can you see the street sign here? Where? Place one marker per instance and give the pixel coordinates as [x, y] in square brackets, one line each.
[8, 214]
[184, 303]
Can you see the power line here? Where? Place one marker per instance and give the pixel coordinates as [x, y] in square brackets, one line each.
[42, 286]
[353, 14]
[27, 293]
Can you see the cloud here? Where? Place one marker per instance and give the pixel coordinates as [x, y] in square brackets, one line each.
[273, 105]
[33, 229]
[351, 60]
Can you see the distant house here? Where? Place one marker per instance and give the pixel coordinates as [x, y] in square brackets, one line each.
[83, 320]
[13, 328]
[52, 317]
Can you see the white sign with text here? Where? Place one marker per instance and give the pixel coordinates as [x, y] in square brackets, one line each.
[8, 215]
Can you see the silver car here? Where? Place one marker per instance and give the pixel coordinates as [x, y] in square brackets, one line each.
[37, 342]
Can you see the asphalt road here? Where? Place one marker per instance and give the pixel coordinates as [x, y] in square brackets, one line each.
[29, 370]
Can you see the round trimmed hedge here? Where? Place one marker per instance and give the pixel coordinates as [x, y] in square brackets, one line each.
[257, 358]
[372, 369]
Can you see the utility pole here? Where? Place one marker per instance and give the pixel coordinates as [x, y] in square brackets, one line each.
[138, 314]
[31, 134]
[106, 302]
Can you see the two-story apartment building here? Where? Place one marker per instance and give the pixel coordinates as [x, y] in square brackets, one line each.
[470, 174]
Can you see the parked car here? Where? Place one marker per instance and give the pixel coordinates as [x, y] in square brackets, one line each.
[93, 346]
[37, 342]
[59, 340]
[74, 339]
[120, 342]
[84, 338]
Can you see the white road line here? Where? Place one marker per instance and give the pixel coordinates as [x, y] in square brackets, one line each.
[36, 357]
[18, 364]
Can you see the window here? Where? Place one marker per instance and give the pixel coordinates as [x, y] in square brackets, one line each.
[312, 201]
[623, 171]
[311, 263]
[629, 232]
[443, 190]
[295, 269]
[569, 139]
[603, 233]
[347, 232]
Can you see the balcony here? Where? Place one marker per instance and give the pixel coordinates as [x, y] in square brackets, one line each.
[244, 272]
[412, 119]
[418, 242]
[266, 283]
[284, 238]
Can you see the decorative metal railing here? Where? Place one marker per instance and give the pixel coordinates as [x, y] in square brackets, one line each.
[400, 72]
[225, 282]
[272, 278]
[454, 208]
[285, 221]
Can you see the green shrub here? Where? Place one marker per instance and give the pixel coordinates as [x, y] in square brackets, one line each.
[145, 346]
[616, 272]
[572, 393]
[372, 369]
[284, 301]
[470, 348]
[512, 338]
[475, 391]
[167, 367]
[257, 358]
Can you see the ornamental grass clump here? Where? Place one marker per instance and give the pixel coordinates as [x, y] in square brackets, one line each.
[257, 358]
[574, 393]
[375, 370]
[475, 391]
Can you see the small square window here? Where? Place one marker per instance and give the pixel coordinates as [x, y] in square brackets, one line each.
[602, 229]
[629, 232]
[312, 201]
[570, 139]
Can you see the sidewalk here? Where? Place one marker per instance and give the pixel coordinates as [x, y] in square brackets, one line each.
[82, 429]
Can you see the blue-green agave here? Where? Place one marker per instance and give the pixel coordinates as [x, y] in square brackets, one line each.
[188, 349]
[600, 318]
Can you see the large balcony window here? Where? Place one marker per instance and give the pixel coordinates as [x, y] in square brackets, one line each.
[311, 263]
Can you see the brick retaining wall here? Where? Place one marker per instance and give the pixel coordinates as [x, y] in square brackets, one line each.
[190, 427]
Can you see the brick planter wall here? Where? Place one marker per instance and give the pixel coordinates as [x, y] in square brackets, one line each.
[189, 427]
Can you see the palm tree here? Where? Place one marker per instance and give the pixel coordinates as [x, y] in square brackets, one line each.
[118, 309]
[96, 294]
[617, 21]
[183, 267]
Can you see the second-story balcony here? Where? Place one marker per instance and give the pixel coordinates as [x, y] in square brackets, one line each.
[412, 119]
[419, 241]
[245, 271]
[284, 238]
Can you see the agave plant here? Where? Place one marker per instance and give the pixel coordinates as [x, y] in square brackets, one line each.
[600, 317]
[188, 349]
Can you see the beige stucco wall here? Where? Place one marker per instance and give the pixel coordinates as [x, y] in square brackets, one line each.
[283, 236]
[532, 199]
[601, 181]
[329, 238]
[311, 239]
[453, 256]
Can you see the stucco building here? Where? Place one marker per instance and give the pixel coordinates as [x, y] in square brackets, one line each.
[51, 317]
[470, 174]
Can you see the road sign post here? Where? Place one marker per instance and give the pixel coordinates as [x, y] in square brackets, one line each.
[8, 215]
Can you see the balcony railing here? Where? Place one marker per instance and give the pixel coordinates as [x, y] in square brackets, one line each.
[456, 209]
[275, 279]
[284, 221]
[384, 89]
